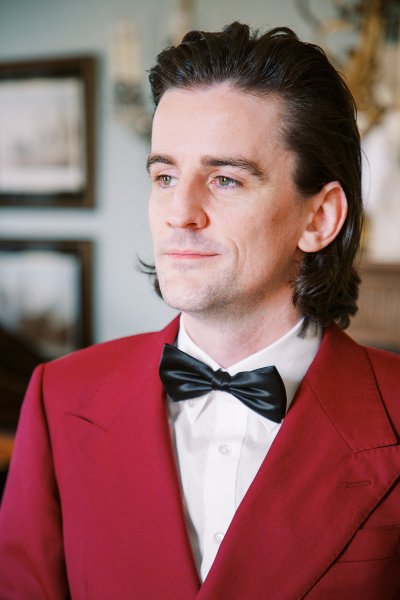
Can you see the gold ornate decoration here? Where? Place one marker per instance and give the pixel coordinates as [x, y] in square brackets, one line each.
[376, 24]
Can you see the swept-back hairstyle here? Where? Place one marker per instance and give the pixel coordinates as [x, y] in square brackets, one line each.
[318, 126]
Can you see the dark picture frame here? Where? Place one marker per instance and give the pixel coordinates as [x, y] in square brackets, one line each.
[47, 132]
[46, 294]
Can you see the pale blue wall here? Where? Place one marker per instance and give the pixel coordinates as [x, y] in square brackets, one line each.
[124, 300]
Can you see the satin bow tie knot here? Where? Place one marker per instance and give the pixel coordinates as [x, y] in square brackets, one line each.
[185, 377]
[221, 380]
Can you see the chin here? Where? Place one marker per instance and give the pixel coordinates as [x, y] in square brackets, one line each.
[192, 294]
[185, 298]
[182, 302]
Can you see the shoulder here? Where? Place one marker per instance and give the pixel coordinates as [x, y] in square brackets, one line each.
[387, 363]
[107, 354]
[381, 361]
[384, 367]
[102, 355]
[344, 358]
[81, 374]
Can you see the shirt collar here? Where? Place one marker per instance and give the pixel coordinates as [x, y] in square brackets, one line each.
[290, 354]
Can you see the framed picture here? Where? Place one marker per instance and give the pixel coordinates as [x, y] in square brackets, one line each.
[47, 128]
[45, 295]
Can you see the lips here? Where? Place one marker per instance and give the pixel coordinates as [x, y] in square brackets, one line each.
[182, 246]
[188, 253]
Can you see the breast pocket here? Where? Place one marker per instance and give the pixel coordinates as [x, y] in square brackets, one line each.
[378, 543]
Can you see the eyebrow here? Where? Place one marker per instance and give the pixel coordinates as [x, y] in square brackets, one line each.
[212, 161]
[234, 161]
[158, 158]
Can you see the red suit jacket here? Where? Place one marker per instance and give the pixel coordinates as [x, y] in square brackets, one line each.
[93, 507]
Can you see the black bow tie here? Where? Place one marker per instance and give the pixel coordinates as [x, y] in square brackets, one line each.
[185, 377]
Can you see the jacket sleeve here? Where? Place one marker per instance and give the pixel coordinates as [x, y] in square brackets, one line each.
[31, 547]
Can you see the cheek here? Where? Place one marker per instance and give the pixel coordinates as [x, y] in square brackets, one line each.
[286, 225]
[257, 234]
[153, 217]
[249, 246]
[270, 237]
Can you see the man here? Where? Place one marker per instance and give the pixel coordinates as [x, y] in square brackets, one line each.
[286, 490]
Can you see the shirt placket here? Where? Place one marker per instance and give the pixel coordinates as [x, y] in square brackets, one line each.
[221, 472]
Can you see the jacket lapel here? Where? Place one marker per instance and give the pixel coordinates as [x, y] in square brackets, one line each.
[130, 472]
[333, 460]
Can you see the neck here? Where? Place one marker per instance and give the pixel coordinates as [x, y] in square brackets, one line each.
[231, 339]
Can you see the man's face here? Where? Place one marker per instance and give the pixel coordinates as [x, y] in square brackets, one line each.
[224, 213]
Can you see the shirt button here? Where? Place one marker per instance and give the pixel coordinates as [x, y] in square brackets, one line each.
[218, 537]
[225, 449]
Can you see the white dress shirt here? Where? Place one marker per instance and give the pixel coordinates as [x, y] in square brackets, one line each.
[220, 443]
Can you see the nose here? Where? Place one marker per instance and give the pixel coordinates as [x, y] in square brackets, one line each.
[187, 206]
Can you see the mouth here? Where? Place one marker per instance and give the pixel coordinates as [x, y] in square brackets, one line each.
[188, 254]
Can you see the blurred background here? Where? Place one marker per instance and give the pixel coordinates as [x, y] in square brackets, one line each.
[75, 114]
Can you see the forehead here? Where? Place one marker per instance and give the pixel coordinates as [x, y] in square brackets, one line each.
[217, 118]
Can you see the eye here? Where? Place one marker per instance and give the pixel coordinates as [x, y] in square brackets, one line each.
[164, 181]
[227, 182]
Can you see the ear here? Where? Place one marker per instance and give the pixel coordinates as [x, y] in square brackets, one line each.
[328, 211]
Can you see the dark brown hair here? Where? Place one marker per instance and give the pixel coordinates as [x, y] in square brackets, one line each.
[318, 126]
